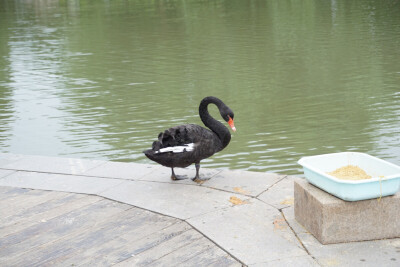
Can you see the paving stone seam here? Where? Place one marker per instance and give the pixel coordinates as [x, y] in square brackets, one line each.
[284, 176]
[207, 212]
[133, 206]
[290, 227]
[111, 178]
[297, 237]
[99, 194]
[46, 172]
[161, 214]
[186, 221]
[194, 184]
[79, 175]
[138, 180]
[226, 251]
[177, 248]
[13, 171]
[167, 182]
[72, 234]
[66, 236]
[170, 216]
[157, 244]
[218, 171]
[96, 166]
[237, 259]
[226, 191]
[67, 174]
[269, 204]
[17, 169]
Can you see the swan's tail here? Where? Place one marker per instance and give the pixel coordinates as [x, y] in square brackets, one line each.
[150, 154]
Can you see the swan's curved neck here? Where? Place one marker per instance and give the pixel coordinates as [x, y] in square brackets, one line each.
[218, 128]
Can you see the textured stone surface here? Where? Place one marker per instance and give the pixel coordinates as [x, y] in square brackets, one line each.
[261, 232]
[49, 164]
[243, 182]
[59, 182]
[4, 173]
[289, 217]
[130, 171]
[48, 228]
[9, 158]
[384, 252]
[301, 261]
[254, 232]
[177, 200]
[332, 220]
[280, 195]
[163, 174]
[367, 253]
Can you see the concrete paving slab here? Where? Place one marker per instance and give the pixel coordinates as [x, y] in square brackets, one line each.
[288, 212]
[280, 195]
[243, 182]
[254, 233]
[302, 261]
[177, 200]
[132, 171]
[163, 174]
[59, 182]
[52, 164]
[6, 158]
[4, 173]
[367, 253]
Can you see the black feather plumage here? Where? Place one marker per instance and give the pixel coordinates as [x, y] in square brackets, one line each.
[206, 142]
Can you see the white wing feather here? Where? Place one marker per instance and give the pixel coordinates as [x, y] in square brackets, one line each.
[177, 149]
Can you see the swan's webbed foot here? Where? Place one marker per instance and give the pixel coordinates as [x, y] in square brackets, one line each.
[178, 177]
[197, 178]
[175, 177]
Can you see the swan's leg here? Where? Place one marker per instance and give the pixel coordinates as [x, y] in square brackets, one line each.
[197, 178]
[177, 177]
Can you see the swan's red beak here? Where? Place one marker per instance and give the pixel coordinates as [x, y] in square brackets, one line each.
[230, 122]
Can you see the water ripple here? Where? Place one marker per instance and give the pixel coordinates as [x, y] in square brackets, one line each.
[104, 86]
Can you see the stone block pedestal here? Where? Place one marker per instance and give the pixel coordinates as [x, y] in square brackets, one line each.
[332, 220]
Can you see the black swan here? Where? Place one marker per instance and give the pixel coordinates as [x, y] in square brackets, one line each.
[182, 145]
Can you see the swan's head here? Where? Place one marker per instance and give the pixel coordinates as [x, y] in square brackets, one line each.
[227, 115]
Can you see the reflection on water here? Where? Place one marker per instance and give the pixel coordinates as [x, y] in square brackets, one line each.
[100, 79]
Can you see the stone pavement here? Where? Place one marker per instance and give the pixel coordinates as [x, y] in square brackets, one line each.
[248, 215]
[50, 228]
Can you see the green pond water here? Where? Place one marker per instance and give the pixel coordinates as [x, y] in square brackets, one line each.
[101, 79]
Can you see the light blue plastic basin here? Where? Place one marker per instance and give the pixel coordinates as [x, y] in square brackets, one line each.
[385, 179]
